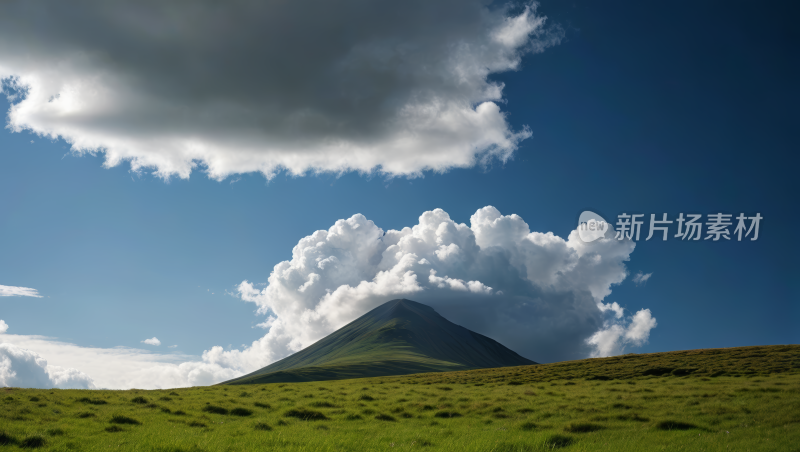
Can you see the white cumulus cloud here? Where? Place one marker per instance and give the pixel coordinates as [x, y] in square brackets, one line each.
[535, 292]
[615, 336]
[3, 326]
[13, 291]
[152, 341]
[24, 368]
[641, 278]
[395, 87]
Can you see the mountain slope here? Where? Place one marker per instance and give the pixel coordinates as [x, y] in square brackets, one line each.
[397, 338]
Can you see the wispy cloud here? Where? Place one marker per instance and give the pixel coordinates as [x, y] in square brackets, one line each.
[13, 291]
[641, 278]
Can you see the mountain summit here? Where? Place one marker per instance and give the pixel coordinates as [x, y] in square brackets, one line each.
[397, 338]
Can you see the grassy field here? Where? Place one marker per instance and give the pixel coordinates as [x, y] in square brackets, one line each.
[715, 400]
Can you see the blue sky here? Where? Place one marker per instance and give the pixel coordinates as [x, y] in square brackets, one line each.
[640, 108]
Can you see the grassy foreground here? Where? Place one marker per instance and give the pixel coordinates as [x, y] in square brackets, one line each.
[734, 400]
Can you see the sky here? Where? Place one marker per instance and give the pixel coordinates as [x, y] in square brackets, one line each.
[189, 193]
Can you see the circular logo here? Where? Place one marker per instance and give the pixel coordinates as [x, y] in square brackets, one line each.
[591, 226]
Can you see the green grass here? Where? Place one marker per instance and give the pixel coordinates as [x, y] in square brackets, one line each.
[751, 404]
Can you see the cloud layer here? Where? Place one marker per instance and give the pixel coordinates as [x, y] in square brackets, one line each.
[13, 291]
[397, 87]
[24, 368]
[112, 368]
[539, 294]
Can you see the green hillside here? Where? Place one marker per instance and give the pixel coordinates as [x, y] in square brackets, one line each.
[740, 399]
[399, 337]
[735, 362]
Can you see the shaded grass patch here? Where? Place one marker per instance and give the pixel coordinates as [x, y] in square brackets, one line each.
[557, 441]
[675, 425]
[306, 415]
[120, 419]
[215, 409]
[241, 412]
[33, 442]
[583, 427]
[6, 439]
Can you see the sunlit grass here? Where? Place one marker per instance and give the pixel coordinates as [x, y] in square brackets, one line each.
[566, 407]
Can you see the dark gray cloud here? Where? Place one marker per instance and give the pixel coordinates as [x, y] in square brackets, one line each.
[244, 86]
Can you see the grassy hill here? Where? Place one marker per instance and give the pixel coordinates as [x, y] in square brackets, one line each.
[703, 363]
[737, 399]
[396, 338]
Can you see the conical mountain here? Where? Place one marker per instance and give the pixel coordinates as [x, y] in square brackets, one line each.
[397, 338]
